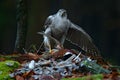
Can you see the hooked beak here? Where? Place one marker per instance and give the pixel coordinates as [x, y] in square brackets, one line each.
[62, 13]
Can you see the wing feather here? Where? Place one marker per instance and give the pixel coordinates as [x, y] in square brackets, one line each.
[79, 37]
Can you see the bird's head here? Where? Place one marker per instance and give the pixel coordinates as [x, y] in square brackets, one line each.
[60, 16]
[62, 13]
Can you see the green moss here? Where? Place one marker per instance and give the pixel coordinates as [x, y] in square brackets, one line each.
[93, 77]
[6, 67]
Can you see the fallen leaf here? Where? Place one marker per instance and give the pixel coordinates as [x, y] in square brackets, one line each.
[59, 54]
[46, 77]
[19, 77]
[29, 73]
[2, 59]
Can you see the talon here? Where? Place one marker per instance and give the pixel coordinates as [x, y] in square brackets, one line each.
[50, 50]
[59, 46]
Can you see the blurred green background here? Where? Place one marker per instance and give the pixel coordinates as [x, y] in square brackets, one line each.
[99, 18]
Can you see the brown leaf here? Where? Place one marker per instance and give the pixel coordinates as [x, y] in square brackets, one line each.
[57, 76]
[2, 59]
[112, 76]
[29, 73]
[46, 77]
[59, 53]
[19, 77]
[28, 57]
[31, 78]
[33, 56]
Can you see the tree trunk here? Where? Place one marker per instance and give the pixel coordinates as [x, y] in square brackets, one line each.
[21, 17]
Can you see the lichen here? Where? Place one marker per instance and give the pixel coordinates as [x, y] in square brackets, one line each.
[6, 67]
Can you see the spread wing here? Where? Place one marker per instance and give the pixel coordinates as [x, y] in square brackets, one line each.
[80, 38]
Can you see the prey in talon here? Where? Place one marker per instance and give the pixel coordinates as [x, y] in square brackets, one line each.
[47, 42]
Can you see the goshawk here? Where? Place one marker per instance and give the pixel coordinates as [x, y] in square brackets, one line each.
[61, 28]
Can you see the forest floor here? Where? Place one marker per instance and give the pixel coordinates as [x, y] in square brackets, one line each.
[61, 64]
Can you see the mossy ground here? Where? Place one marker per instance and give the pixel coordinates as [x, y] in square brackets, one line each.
[6, 67]
[92, 77]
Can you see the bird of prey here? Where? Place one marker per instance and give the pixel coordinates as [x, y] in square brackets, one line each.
[61, 28]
